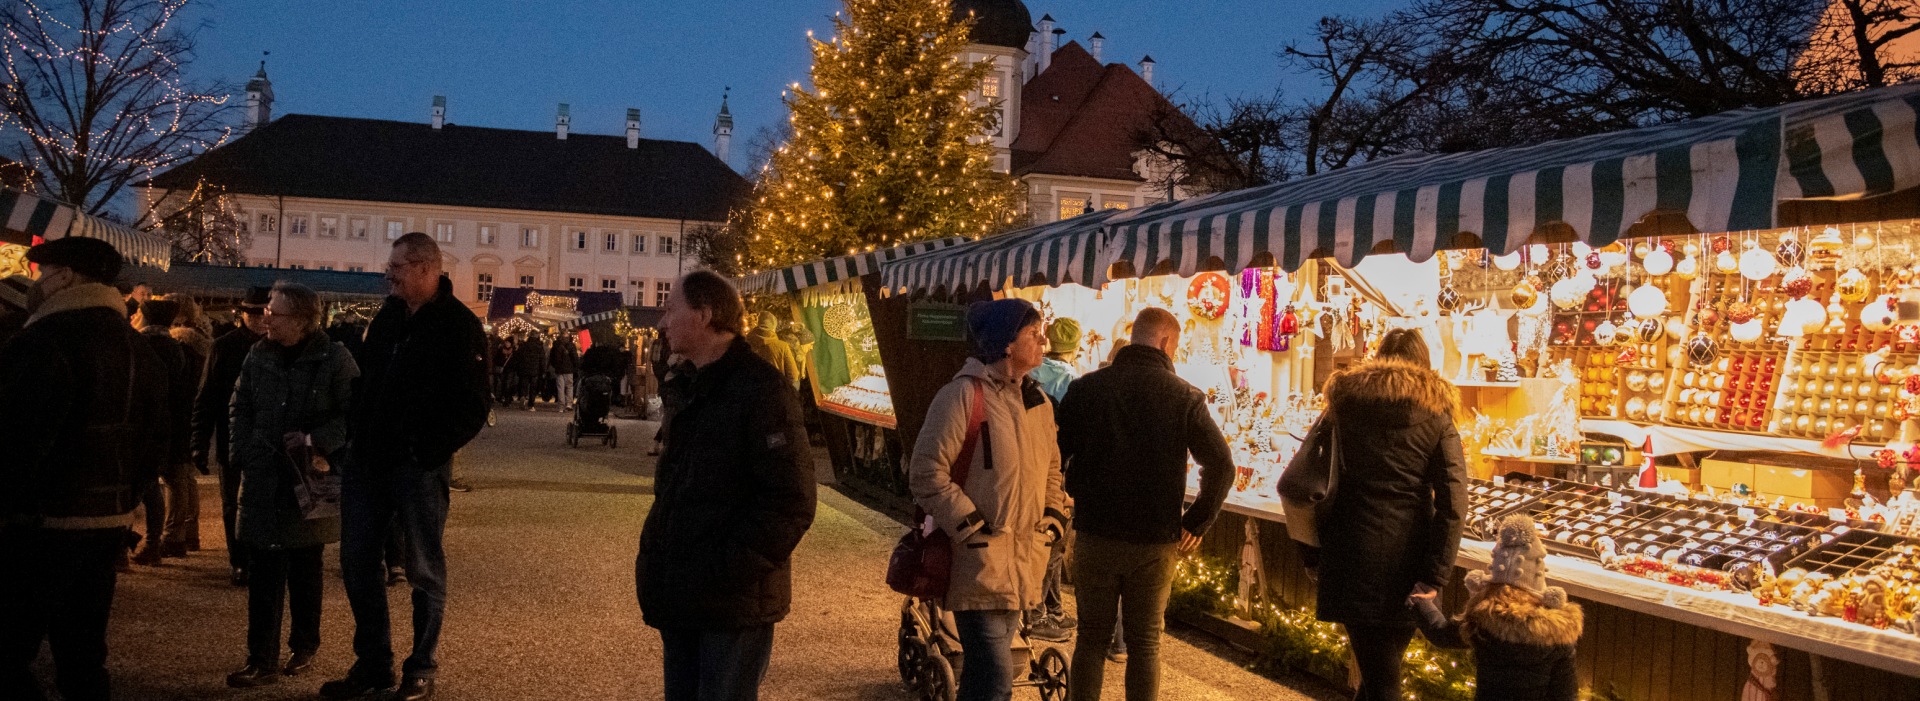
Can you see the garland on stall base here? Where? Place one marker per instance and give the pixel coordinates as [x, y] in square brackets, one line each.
[1293, 641]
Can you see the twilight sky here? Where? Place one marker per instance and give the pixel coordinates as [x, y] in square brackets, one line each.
[507, 63]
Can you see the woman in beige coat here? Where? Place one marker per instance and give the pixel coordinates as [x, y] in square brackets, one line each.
[1005, 516]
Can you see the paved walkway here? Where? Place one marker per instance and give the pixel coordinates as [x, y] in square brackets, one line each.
[541, 602]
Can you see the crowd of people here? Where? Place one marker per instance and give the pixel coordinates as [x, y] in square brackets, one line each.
[318, 443]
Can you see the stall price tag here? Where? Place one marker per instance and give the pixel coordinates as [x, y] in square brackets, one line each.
[1747, 513]
[1838, 515]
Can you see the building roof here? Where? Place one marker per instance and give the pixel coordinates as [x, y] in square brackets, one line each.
[1081, 118]
[999, 22]
[347, 158]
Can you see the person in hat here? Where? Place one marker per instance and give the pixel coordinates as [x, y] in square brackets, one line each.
[1006, 511]
[212, 423]
[1063, 347]
[1522, 632]
[173, 503]
[89, 433]
[764, 339]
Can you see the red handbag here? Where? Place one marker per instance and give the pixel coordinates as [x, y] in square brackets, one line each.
[922, 562]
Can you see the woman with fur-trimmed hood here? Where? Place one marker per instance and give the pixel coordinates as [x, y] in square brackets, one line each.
[1522, 631]
[1392, 525]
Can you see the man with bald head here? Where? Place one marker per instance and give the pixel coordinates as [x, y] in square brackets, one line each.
[1125, 433]
[422, 395]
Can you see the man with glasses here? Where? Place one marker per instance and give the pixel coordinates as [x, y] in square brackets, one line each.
[211, 421]
[423, 395]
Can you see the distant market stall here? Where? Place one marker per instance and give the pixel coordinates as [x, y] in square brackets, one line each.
[27, 219]
[1691, 351]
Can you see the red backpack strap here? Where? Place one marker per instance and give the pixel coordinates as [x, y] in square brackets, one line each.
[976, 422]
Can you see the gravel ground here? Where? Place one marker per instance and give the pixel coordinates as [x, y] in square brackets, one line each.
[541, 602]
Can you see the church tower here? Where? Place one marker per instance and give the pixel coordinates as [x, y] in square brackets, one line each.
[1002, 31]
[259, 100]
[722, 128]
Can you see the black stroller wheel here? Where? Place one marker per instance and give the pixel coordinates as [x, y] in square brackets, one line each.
[573, 435]
[936, 678]
[1050, 674]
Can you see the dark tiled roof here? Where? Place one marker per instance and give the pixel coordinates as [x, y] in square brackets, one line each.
[1000, 22]
[301, 155]
[1082, 118]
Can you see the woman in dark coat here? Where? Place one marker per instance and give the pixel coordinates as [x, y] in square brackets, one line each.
[292, 397]
[1393, 524]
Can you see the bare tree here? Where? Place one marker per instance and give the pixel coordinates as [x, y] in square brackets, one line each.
[98, 94]
[761, 147]
[718, 247]
[1220, 145]
[1853, 47]
[207, 227]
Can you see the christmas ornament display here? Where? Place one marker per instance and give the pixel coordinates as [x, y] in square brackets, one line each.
[1524, 294]
[1657, 263]
[1209, 295]
[1852, 286]
[1647, 301]
[1757, 264]
[1878, 315]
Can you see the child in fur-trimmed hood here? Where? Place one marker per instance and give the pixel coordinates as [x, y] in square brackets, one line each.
[1522, 631]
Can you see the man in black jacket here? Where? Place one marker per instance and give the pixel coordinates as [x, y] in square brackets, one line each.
[564, 361]
[733, 495]
[211, 420]
[90, 432]
[422, 395]
[173, 502]
[1125, 433]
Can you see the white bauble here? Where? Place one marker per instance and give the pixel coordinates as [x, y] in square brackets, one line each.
[1509, 261]
[1758, 264]
[1537, 252]
[1725, 262]
[1658, 263]
[1606, 333]
[1580, 249]
[1747, 332]
[1688, 268]
[1647, 301]
[1878, 315]
[1566, 294]
[1613, 259]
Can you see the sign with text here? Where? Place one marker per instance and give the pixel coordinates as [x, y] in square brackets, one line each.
[933, 321]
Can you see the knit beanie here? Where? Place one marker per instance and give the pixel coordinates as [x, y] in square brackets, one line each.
[1519, 559]
[994, 325]
[1063, 336]
[768, 321]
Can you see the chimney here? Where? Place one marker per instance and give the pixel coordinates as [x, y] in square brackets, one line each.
[1096, 42]
[722, 128]
[1146, 69]
[439, 111]
[633, 127]
[560, 123]
[1046, 43]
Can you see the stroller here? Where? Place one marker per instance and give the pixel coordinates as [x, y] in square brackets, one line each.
[929, 657]
[590, 407]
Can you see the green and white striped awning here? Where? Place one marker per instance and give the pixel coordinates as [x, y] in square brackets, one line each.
[820, 272]
[1727, 172]
[24, 216]
[1053, 254]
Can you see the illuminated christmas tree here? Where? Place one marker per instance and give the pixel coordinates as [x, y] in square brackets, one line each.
[888, 145]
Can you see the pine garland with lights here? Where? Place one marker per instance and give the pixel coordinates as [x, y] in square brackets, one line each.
[1295, 641]
[887, 144]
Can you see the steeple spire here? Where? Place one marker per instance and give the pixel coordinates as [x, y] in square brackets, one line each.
[723, 127]
[259, 109]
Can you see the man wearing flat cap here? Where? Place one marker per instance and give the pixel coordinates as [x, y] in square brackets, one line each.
[91, 435]
[211, 420]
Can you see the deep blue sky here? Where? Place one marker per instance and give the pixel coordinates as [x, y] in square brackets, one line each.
[507, 63]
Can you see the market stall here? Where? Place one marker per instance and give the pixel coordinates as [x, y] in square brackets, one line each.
[26, 219]
[1703, 387]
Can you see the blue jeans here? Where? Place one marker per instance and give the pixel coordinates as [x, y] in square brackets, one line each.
[375, 499]
[724, 664]
[986, 641]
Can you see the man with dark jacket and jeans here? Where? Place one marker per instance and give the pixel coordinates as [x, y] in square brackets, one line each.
[422, 395]
[1125, 433]
[212, 421]
[733, 495]
[173, 513]
[89, 433]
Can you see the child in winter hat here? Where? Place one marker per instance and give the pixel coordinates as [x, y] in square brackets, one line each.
[1522, 632]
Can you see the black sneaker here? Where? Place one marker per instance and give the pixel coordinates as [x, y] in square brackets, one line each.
[1051, 630]
[353, 687]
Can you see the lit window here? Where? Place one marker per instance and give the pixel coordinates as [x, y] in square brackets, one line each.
[639, 292]
[666, 245]
[1071, 207]
[576, 284]
[297, 226]
[394, 230]
[639, 243]
[443, 232]
[530, 238]
[483, 286]
[486, 235]
[990, 86]
[268, 224]
[613, 243]
[329, 227]
[661, 291]
[526, 281]
[1115, 204]
[359, 228]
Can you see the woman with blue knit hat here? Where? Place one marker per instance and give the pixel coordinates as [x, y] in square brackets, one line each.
[986, 468]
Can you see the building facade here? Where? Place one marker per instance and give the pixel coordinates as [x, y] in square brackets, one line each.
[557, 210]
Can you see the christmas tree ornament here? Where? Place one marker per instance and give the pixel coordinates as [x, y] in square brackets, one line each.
[1796, 282]
[1649, 330]
[1836, 316]
[1863, 241]
[1658, 263]
[1691, 249]
[1566, 294]
[1676, 327]
[1702, 350]
[1824, 249]
[1613, 255]
[1448, 299]
[1688, 268]
[1741, 312]
[1209, 296]
[1802, 317]
[1524, 294]
[1537, 253]
[1647, 301]
[1627, 356]
[1757, 264]
[1878, 315]
[1510, 261]
[1605, 334]
[1725, 262]
[1748, 331]
[1641, 250]
[1722, 244]
[1285, 330]
[1852, 285]
[1790, 252]
[1593, 261]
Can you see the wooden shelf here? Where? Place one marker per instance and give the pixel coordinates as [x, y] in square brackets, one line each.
[1483, 383]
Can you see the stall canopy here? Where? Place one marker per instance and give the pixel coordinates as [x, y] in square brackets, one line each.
[820, 272]
[227, 282]
[1727, 172]
[24, 217]
[1056, 253]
